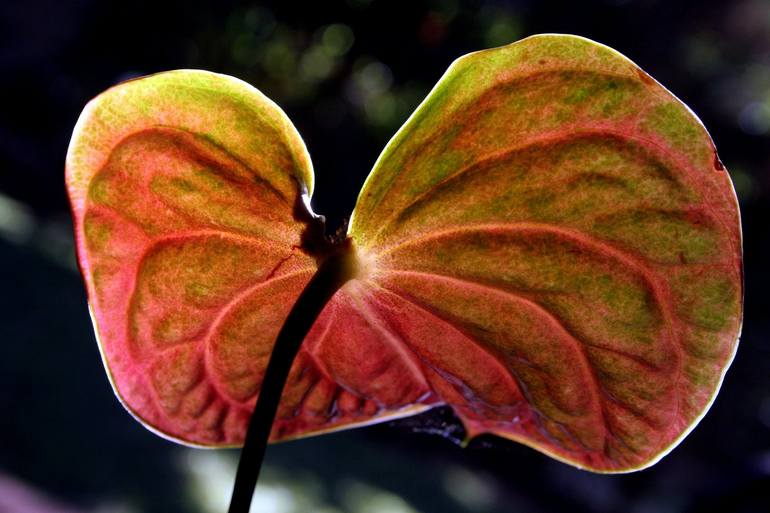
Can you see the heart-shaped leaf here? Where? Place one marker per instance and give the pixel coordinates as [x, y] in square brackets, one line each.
[549, 245]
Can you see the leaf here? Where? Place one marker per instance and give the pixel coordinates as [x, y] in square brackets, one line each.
[186, 189]
[553, 238]
[549, 245]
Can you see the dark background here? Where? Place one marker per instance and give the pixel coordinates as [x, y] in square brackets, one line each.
[348, 74]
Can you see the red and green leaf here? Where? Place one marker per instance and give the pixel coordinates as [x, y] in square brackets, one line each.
[184, 188]
[553, 236]
[549, 245]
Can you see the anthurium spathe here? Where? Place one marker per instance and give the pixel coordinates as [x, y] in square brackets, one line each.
[549, 245]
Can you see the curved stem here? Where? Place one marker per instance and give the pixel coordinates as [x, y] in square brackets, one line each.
[332, 274]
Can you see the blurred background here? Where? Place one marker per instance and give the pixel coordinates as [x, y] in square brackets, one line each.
[348, 73]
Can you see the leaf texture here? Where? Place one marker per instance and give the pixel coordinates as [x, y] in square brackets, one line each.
[550, 246]
[553, 236]
[187, 193]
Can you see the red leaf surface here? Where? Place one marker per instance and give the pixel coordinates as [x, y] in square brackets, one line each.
[549, 245]
[184, 187]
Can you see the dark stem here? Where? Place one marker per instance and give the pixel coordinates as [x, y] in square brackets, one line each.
[332, 274]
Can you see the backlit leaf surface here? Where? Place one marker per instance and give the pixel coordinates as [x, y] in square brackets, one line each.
[554, 240]
[549, 245]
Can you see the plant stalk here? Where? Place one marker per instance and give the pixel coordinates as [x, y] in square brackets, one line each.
[332, 274]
